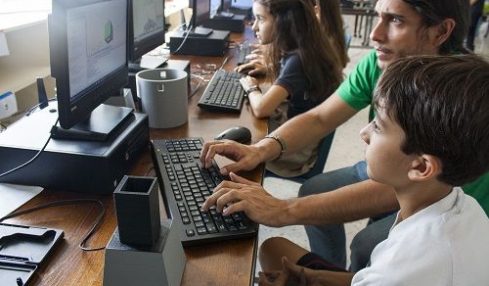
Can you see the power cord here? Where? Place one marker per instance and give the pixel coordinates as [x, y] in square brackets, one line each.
[187, 33]
[30, 160]
[32, 109]
[95, 226]
[195, 89]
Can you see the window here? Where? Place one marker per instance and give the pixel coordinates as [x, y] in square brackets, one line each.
[24, 6]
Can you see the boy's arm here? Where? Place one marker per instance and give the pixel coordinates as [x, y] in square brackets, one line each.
[357, 201]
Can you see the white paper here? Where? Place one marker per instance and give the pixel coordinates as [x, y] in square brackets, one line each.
[13, 197]
[3, 45]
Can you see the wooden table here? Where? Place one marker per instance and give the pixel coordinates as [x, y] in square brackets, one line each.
[224, 263]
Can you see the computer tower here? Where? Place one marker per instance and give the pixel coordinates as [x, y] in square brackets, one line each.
[70, 165]
[215, 44]
[236, 23]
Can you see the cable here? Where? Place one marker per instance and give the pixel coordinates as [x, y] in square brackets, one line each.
[224, 62]
[32, 109]
[195, 89]
[187, 33]
[65, 203]
[30, 160]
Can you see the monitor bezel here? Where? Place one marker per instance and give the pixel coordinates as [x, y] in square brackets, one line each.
[149, 43]
[204, 17]
[77, 109]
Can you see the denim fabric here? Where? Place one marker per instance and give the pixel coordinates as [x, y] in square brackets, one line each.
[328, 241]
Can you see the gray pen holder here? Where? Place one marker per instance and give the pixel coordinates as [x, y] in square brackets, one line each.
[137, 209]
[164, 96]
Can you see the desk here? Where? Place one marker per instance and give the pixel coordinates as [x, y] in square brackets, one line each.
[223, 263]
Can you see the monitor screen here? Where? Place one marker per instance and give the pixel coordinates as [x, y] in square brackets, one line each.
[146, 27]
[226, 4]
[216, 7]
[200, 12]
[88, 54]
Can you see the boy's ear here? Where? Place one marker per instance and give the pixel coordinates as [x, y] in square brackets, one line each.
[425, 167]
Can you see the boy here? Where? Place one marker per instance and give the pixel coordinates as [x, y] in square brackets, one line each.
[430, 135]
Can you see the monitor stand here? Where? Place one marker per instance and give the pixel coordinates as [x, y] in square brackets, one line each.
[148, 62]
[104, 122]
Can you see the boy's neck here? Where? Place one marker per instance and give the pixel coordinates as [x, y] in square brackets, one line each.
[419, 196]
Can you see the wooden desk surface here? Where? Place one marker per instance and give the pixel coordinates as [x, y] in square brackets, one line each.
[224, 263]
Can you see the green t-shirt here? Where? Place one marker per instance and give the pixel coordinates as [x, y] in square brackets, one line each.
[357, 91]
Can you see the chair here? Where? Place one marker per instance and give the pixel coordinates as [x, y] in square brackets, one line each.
[323, 151]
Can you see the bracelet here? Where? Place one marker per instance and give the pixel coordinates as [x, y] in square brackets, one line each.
[253, 88]
[281, 142]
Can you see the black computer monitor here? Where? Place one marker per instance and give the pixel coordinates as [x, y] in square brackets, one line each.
[226, 4]
[200, 12]
[146, 27]
[88, 46]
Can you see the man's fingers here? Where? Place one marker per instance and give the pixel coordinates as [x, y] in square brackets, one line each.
[238, 179]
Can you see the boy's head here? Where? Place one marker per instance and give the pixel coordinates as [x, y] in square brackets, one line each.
[440, 105]
[419, 27]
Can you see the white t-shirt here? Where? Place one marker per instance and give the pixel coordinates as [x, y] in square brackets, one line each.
[445, 244]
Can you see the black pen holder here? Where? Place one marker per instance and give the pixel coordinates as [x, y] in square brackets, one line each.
[137, 209]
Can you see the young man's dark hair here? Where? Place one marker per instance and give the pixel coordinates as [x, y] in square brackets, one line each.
[429, 84]
[435, 11]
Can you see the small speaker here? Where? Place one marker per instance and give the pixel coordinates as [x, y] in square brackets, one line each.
[137, 210]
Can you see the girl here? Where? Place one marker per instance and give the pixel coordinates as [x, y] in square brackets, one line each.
[304, 66]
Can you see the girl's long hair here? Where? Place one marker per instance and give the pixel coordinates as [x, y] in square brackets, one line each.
[332, 23]
[296, 28]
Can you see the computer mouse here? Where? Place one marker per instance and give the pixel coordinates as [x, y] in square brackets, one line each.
[239, 134]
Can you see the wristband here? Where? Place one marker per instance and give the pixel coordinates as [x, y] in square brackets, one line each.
[281, 142]
[253, 88]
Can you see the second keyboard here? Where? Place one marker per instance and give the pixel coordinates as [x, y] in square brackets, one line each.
[223, 92]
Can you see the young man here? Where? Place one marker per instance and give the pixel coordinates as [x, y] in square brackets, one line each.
[429, 136]
[405, 27]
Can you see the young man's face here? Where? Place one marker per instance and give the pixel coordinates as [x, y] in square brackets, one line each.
[263, 23]
[386, 163]
[400, 32]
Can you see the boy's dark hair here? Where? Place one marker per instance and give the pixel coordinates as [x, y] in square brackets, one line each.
[434, 12]
[442, 104]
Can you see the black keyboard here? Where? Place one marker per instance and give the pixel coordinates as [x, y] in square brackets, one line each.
[185, 185]
[243, 50]
[223, 92]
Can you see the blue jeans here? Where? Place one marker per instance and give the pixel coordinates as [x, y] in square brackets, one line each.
[329, 241]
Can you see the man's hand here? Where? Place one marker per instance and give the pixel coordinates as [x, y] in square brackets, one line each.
[245, 157]
[249, 197]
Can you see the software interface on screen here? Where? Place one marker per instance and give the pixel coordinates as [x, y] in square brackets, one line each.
[148, 18]
[96, 36]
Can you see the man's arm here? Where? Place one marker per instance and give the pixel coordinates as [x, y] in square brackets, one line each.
[297, 133]
[313, 125]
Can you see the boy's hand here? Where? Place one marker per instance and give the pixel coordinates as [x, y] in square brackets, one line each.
[249, 197]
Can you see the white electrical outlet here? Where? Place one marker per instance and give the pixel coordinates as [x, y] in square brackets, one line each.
[8, 104]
